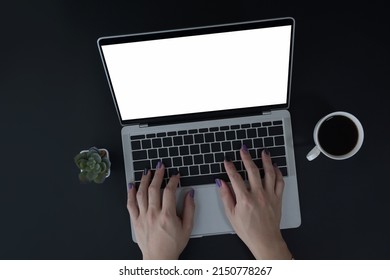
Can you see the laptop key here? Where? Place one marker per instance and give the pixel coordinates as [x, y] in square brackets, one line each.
[209, 158]
[137, 137]
[267, 123]
[277, 151]
[138, 175]
[188, 139]
[152, 153]
[183, 171]
[209, 137]
[167, 162]
[194, 170]
[220, 136]
[268, 141]
[177, 161]
[275, 130]
[136, 145]
[230, 135]
[137, 155]
[215, 168]
[198, 159]
[215, 147]
[167, 141]
[262, 131]
[187, 160]
[205, 169]
[194, 149]
[279, 140]
[146, 144]
[236, 145]
[205, 148]
[241, 134]
[284, 171]
[280, 161]
[199, 138]
[258, 143]
[141, 165]
[184, 150]
[178, 140]
[163, 152]
[251, 133]
[173, 151]
[226, 146]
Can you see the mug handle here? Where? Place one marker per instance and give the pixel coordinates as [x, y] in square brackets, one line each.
[313, 153]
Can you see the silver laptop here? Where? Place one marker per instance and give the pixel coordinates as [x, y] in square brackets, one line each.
[191, 97]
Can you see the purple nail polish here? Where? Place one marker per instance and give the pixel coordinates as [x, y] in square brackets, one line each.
[218, 183]
[244, 148]
[130, 186]
[146, 171]
[159, 164]
[267, 152]
[192, 193]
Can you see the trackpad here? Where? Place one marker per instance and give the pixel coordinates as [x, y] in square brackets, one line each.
[210, 217]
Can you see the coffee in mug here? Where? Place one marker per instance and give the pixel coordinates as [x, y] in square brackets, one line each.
[338, 135]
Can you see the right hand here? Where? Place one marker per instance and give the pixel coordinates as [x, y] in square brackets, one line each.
[255, 211]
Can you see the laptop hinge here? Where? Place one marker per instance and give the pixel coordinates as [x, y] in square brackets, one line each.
[143, 125]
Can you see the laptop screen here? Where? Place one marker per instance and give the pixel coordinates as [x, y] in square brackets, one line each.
[154, 77]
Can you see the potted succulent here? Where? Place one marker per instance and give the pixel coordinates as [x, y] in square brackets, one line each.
[94, 165]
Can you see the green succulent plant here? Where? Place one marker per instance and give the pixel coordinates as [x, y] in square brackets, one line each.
[94, 165]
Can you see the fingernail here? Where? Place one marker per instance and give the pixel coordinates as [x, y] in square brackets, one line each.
[275, 164]
[159, 164]
[192, 193]
[218, 182]
[244, 148]
[266, 152]
[146, 171]
[130, 186]
[227, 158]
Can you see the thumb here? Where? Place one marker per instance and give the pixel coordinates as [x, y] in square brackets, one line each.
[188, 212]
[226, 197]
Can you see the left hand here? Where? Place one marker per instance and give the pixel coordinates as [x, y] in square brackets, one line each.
[160, 232]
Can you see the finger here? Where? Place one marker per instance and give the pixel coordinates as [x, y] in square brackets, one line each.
[279, 186]
[154, 191]
[169, 195]
[132, 205]
[236, 180]
[269, 172]
[254, 177]
[188, 212]
[227, 197]
[142, 193]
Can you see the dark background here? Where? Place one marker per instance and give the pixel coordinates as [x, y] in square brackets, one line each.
[55, 101]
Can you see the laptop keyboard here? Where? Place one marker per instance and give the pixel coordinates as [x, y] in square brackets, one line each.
[198, 154]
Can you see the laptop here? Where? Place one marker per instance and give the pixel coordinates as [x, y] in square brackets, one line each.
[189, 97]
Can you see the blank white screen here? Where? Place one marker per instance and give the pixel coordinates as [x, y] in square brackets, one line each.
[200, 73]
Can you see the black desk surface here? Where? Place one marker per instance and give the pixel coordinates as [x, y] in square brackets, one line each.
[55, 101]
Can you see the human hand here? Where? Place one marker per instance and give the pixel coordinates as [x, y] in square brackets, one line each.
[160, 233]
[255, 211]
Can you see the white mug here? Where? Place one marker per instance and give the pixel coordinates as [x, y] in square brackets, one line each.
[319, 149]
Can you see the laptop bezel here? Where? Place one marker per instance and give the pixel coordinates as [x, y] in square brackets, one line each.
[136, 37]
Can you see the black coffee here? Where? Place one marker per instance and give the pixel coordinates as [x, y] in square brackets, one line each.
[338, 135]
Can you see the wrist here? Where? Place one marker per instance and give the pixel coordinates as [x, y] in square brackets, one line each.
[275, 250]
[159, 257]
